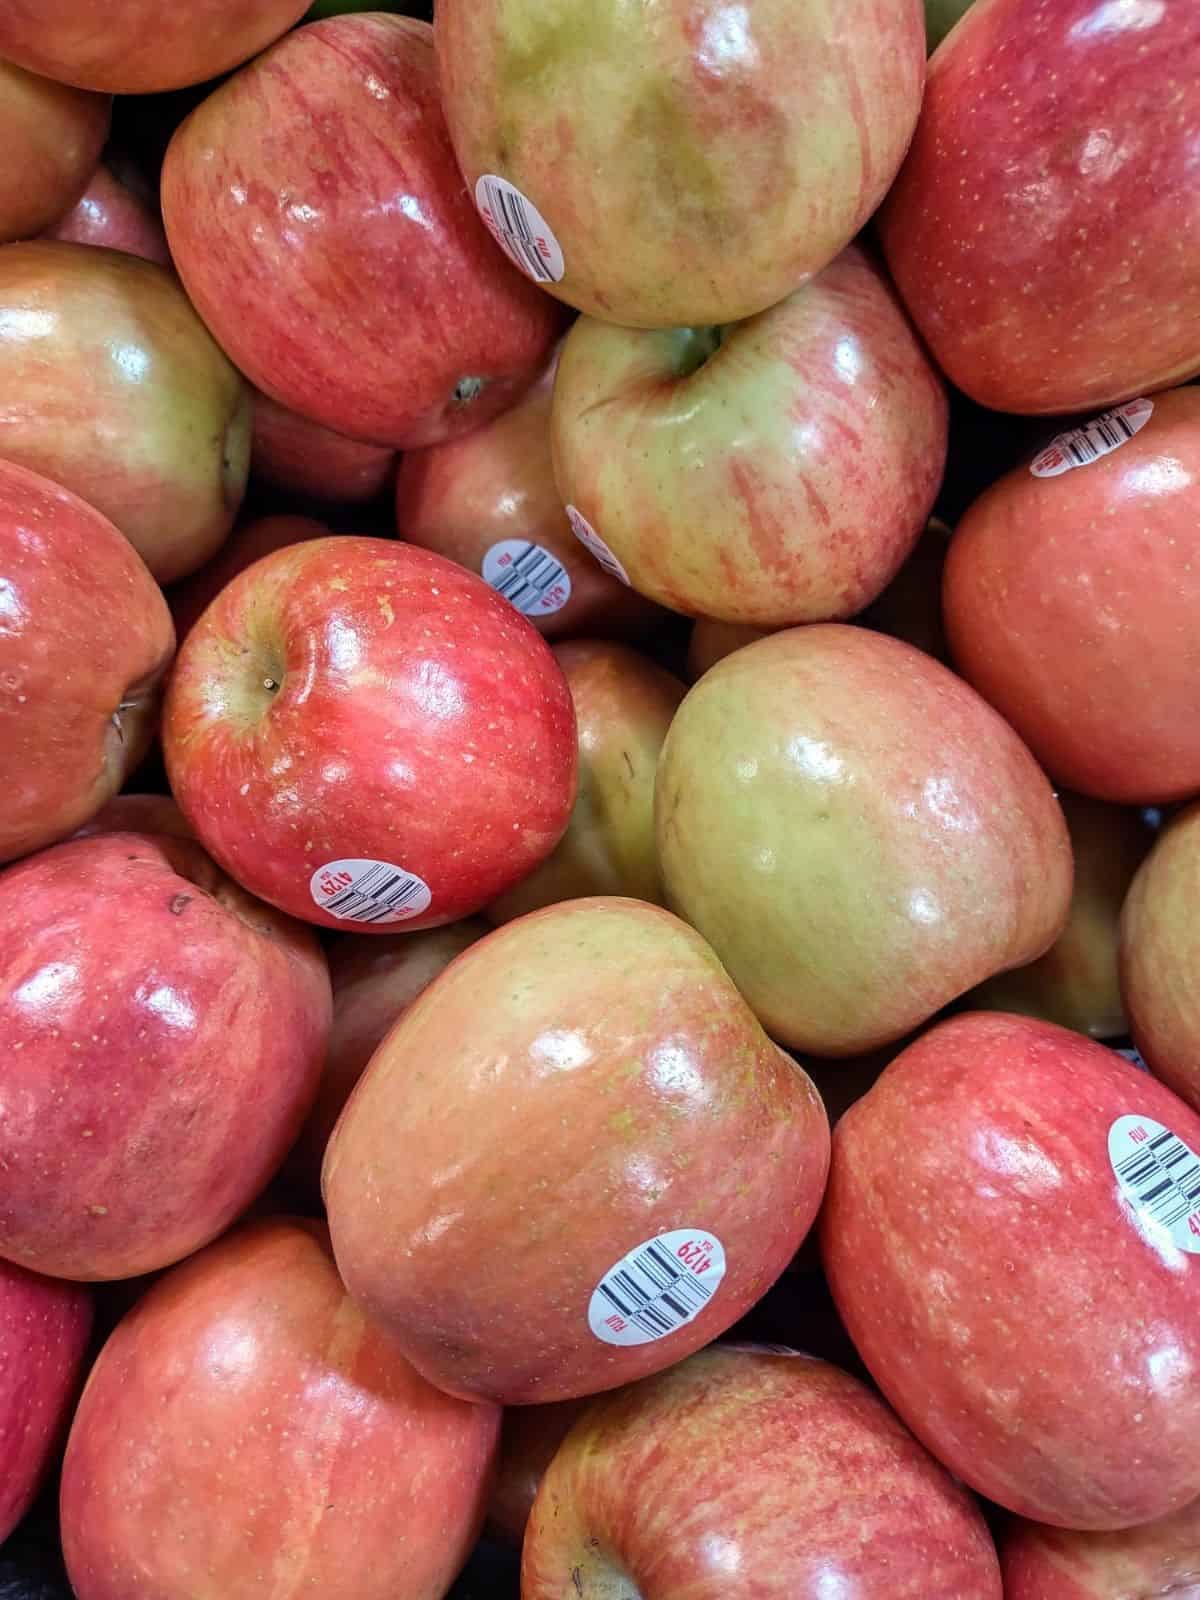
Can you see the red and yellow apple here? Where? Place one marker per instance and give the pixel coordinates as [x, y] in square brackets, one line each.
[52, 137]
[1160, 1561]
[112, 215]
[190, 598]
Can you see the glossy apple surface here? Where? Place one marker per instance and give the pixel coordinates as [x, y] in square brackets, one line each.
[757, 1472]
[1160, 957]
[85, 635]
[321, 227]
[489, 501]
[624, 703]
[693, 163]
[778, 471]
[301, 456]
[529, 1440]
[363, 733]
[53, 136]
[112, 386]
[856, 833]
[1075, 983]
[247, 1426]
[614, 1097]
[1023, 1305]
[110, 214]
[137, 813]
[1070, 602]
[164, 1036]
[189, 599]
[140, 47]
[44, 1330]
[1159, 1561]
[1043, 227]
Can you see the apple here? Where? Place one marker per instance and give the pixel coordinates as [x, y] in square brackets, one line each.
[137, 813]
[711, 641]
[608, 1164]
[1070, 592]
[1160, 1558]
[752, 1471]
[321, 227]
[53, 136]
[940, 17]
[774, 472]
[693, 165]
[190, 598]
[111, 214]
[44, 1331]
[489, 501]
[140, 46]
[624, 704]
[1075, 983]
[529, 1440]
[164, 1035]
[85, 636]
[856, 833]
[374, 982]
[304, 458]
[1009, 1238]
[246, 1429]
[1159, 956]
[114, 388]
[911, 606]
[1041, 228]
[363, 733]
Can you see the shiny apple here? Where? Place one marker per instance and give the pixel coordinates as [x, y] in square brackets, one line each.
[52, 137]
[304, 458]
[111, 214]
[190, 598]
[1160, 1560]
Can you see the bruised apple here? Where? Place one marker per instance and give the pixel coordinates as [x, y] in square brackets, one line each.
[52, 137]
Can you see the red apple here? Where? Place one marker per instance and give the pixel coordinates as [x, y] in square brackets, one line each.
[246, 545]
[52, 138]
[1159, 1559]
[1071, 591]
[305, 458]
[1160, 956]
[529, 1440]
[668, 166]
[44, 1329]
[609, 1163]
[114, 388]
[320, 225]
[749, 1471]
[1011, 1234]
[247, 1430]
[856, 833]
[111, 214]
[489, 501]
[363, 733]
[85, 635]
[140, 46]
[911, 606]
[163, 1036]
[1043, 227]
[137, 813]
[711, 641]
[773, 472]
[624, 704]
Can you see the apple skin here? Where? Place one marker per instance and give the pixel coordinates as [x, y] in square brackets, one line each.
[322, 229]
[1070, 604]
[86, 636]
[910, 607]
[142, 47]
[247, 1429]
[1159, 1559]
[1076, 983]
[114, 388]
[780, 477]
[46, 1326]
[695, 163]
[137, 813]
[53, 136]
[711, 641]
[110, 214]
[191, 598]
[615, 1087]
[1046, 127]
[971, 1203]
[374, 982]
[1160, 957]
[624, 704]
[355, 699]
[171, 1032]
[751, 1471]
[837, 860]
[529, 1440]
[302, 457]
[465, 496]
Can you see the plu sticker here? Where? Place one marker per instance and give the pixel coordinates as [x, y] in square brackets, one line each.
[592, 542]
[1079, 447]
[520, 229]
[1159, 1174]
[528, 576]
[368, 891]
[657, 1287]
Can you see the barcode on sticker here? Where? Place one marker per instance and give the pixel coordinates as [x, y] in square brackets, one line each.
[1160, 1175]
[594, 544]
[528, 577]
[520, 229]
[1079, 447]
[369, 891]
[656, 1288]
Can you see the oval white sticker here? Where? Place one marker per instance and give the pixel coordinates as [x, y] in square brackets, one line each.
[528, 577]
[591, 541]
[1079, 447]
[374, 892]
[657, 1288]
[520, 229]
[1159, 1174]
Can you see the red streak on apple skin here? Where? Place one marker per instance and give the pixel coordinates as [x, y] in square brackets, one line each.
[1158, 1561]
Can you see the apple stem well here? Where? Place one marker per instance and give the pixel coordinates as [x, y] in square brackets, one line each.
[691, 348]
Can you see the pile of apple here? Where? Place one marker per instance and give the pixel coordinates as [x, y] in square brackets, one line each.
[423, 1015]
